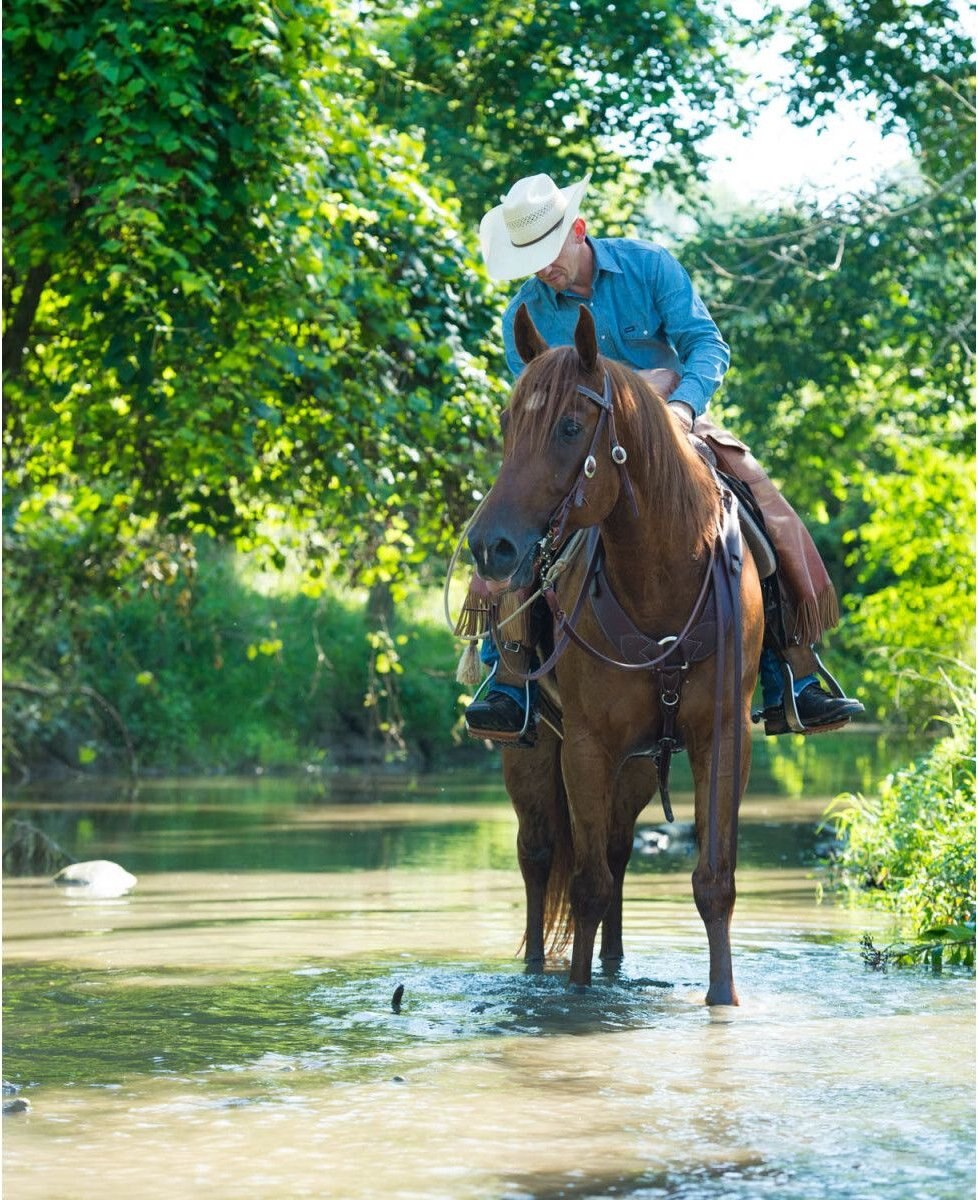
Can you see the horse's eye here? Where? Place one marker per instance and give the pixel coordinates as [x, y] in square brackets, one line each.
[568, 429]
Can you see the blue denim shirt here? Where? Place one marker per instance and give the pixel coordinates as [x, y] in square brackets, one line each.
[647, 314]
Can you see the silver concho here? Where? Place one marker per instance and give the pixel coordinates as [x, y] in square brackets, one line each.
[590, 466]
[619, 455]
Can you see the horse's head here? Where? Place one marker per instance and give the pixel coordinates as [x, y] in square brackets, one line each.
[558, 465]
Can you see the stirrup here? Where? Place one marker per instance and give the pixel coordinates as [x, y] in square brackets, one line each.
[525, 737]
[790, 707]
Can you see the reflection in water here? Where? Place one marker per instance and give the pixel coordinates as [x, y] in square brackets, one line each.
[360, 822]
[229, 1026]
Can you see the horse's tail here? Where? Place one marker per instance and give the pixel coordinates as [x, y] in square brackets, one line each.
[558, 919]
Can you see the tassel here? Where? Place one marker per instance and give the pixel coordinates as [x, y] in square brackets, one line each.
[473, 620]
[469, 672]
[815, 615]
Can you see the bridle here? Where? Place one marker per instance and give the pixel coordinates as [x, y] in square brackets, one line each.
[575, 497]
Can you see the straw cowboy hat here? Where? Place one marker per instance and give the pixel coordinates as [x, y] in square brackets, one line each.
[524, 234]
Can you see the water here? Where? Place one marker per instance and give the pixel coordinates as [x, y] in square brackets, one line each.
[229, 1025]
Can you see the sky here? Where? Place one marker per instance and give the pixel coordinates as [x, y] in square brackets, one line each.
[778, 160]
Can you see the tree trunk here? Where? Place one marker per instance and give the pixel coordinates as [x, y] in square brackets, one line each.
[22, 322]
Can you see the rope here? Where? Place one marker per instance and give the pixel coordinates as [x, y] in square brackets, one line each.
[453, 561]
[557, 568]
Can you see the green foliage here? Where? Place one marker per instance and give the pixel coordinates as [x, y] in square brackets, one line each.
[553, 86]
[911, 59]
[229, 294]
[913, 601]
[951, 943]
[912, 848]
[224, 677]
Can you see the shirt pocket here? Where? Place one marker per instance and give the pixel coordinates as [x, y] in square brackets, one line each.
[645, 347]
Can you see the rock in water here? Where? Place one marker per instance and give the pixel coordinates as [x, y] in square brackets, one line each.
[99, 879]
[397, 998]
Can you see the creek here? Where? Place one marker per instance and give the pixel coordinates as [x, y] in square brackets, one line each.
[228, 1027]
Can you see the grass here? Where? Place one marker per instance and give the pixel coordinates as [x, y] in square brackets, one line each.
[236, 676]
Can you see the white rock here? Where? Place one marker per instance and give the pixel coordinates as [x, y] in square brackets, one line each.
[650, 841]
[99, 879]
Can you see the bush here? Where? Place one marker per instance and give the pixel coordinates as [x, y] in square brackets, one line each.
[912, 848]
[225, 677]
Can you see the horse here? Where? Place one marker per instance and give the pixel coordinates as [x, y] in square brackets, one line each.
[668, 659]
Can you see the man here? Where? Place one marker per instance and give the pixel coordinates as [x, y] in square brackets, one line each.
[648, 315]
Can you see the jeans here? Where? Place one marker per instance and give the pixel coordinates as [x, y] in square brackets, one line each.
[490, 657]
[772, 684]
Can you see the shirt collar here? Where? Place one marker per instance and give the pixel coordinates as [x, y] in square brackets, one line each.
[604, 260]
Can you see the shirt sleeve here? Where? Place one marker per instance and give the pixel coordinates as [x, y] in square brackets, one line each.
[688, 325]
[513, 360]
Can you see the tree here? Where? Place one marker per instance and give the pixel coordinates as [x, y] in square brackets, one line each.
[233, 302]
[912, 61]
[552, 86]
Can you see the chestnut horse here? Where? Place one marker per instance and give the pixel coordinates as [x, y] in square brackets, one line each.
[588, 444]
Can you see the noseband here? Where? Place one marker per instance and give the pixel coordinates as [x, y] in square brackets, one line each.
[575, 498]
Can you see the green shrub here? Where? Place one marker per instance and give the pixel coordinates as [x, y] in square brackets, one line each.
[911, 848]
[226, 677]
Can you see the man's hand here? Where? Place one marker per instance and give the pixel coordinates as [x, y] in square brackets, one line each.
[683, 415]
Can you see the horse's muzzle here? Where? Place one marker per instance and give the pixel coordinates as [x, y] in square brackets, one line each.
[501, 564]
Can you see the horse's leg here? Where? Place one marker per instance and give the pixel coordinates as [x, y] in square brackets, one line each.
[713, 882]
[536, 789]
[589, 780]
[634, 788]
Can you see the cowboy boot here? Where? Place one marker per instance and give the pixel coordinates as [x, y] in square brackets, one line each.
[499, 715]
[810, 708]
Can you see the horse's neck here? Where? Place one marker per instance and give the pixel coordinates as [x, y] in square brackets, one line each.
[655, 567]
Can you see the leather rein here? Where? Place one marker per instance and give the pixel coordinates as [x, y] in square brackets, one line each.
[716, 608]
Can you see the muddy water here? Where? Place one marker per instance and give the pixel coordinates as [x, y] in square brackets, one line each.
[228, 1027]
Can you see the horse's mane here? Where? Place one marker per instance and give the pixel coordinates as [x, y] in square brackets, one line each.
[662, 464]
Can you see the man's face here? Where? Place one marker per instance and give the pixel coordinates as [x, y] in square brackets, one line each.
[566, 269]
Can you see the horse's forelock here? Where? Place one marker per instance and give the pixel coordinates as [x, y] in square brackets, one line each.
[546, 388]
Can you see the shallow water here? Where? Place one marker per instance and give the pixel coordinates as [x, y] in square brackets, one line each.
[229, 1025]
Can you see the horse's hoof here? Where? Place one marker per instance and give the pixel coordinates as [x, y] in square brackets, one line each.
[579, 989]
[722, 997]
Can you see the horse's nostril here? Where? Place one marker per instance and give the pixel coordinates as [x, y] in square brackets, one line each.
[503, 552]
[495, 558]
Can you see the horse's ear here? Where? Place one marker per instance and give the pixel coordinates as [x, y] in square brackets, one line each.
[586, 339]
[529, 343]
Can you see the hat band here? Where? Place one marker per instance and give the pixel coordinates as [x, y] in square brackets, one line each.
[533, 241]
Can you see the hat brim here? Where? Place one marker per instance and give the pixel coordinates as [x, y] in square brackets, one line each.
[505, 261]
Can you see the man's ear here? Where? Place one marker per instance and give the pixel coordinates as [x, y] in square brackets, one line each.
[580, 228]
[529, 343]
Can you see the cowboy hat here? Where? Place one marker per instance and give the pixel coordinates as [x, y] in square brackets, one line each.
[524, 234]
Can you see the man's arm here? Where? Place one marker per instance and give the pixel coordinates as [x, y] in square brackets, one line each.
[688, 325]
